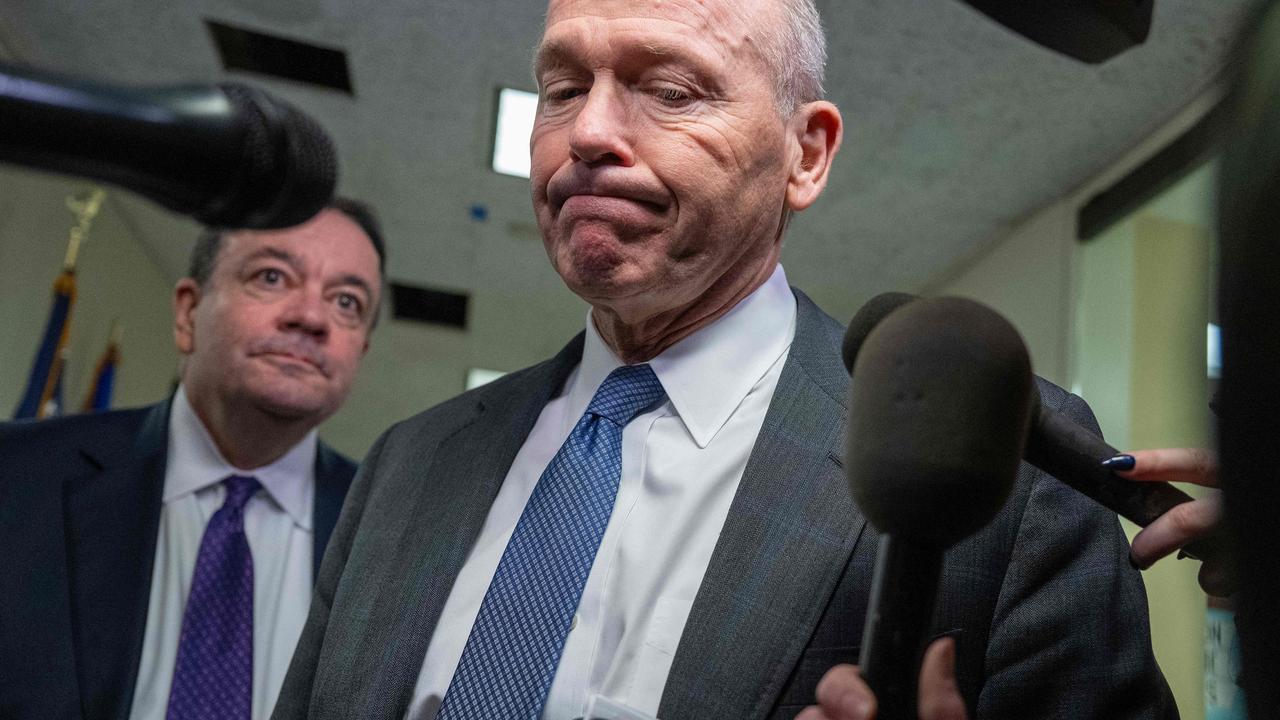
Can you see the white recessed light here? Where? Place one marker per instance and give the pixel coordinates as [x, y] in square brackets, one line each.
[516, 110]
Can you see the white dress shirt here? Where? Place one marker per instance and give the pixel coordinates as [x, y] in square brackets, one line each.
[277, 522]
[681, 464]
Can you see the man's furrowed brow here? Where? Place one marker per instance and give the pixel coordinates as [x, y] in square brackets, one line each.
[557, 55]
[551, 56]
[352, 280]
[269, 251]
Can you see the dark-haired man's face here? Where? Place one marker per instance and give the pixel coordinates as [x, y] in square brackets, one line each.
[283, 321]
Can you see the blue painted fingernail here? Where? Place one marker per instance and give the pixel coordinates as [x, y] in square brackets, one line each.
[1119, 462]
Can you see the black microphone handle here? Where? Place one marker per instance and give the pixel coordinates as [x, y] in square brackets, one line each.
[104, 138]
[903, 593]
[228, 155]
[1075, 458]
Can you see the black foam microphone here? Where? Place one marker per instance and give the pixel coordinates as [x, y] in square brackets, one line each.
[866, 320]
[228, 155]
[939, 413]
[1060, 447]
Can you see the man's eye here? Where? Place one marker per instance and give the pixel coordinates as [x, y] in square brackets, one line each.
[349, 303]
[270, 276]
[562, 94]
[672, 95]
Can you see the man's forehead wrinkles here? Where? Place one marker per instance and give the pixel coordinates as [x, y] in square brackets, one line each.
[561, 52]
[696, 14]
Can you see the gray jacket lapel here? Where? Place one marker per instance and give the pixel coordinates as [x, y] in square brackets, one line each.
[788, 537]
[436, 496]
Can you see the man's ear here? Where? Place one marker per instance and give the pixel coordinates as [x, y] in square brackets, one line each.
[817, 129]
[186, 295]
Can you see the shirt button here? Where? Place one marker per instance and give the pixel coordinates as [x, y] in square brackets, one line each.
[574, 622]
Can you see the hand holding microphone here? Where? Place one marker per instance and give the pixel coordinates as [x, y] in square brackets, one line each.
[1074, 456]
[1184, 523]
[842, 695]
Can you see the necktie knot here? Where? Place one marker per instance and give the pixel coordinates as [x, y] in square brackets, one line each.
[625, 392]
[239, 489]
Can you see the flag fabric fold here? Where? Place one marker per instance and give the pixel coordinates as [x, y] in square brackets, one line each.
[43, 384]
[104, 376]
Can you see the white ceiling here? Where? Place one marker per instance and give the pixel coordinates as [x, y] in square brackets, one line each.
[956, 127]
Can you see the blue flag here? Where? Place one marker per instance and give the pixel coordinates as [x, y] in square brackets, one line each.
[46, 371]
[104, 378]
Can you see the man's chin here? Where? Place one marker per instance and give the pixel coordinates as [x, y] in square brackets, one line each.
[294, 407]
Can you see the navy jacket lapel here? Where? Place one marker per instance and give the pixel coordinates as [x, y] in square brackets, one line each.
[333, 478]
[788, 537]
[112, 519]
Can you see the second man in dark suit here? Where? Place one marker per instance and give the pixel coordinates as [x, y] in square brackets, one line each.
[160, 560]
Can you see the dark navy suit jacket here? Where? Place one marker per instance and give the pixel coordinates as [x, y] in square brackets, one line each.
[80, 502]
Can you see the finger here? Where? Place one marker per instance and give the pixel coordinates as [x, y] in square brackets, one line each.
[1191, 465]
[939, 695]
[814, 713]
[843, 695]
[1217, 579]
[1178, 526]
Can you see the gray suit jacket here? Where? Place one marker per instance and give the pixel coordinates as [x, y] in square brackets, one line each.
[1050, 618]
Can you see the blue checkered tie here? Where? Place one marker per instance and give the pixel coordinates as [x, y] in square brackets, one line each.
[213, 675]
[514, 648]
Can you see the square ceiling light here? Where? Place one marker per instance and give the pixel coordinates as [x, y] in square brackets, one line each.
[516, 110]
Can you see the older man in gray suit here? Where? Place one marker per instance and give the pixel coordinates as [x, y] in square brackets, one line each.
[655, 522]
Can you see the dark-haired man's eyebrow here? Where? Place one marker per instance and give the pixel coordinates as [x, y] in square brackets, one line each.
[273, 252]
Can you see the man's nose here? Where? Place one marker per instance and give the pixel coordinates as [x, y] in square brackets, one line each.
[307, 311]
[601, 129]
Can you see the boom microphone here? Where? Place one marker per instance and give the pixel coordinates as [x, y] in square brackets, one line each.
[228, 155]
[939, 412]
[1058, 446]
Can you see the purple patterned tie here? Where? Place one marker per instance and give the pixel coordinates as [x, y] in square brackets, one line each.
[213, 676]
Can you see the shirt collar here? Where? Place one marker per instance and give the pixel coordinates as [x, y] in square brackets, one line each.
[708, 374]
[195, 463]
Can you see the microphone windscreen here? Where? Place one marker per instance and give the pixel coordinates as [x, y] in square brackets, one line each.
[939, 414]
[865, 320]
[289, 167]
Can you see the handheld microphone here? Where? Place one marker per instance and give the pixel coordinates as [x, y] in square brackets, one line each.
[1060, 447]
[228, 155]
[939, 412]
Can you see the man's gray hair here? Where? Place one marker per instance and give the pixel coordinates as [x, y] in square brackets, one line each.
[796, 51]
